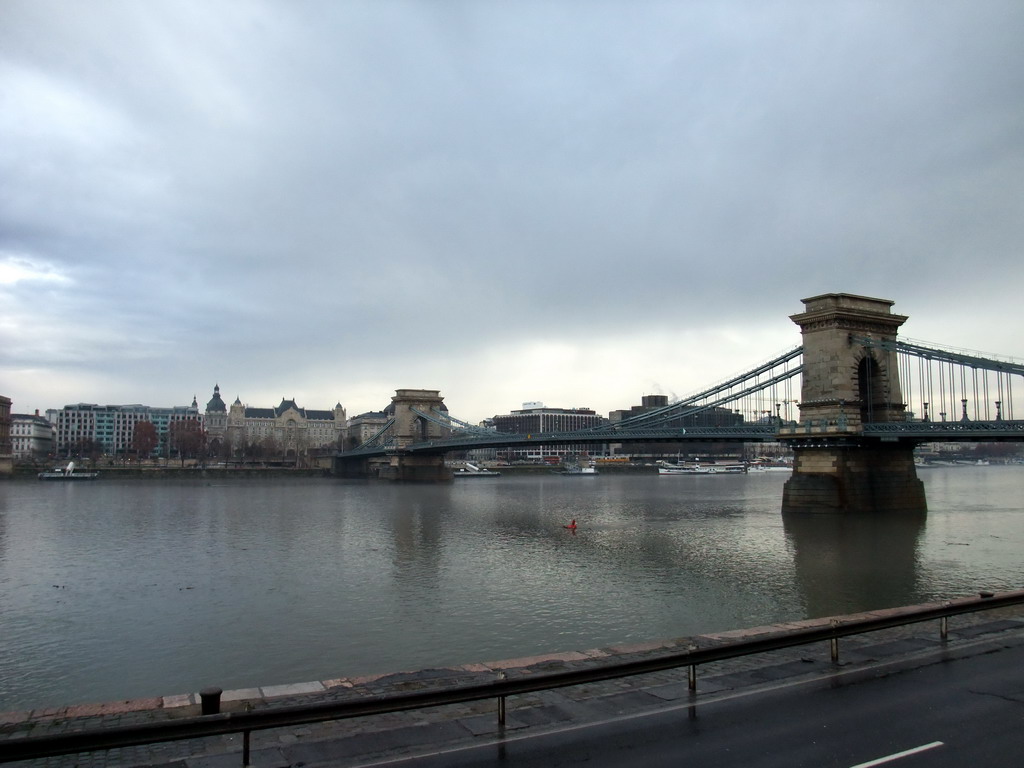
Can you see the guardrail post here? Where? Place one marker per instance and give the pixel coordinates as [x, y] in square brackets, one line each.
[833, 644]
[210, 698]
[501, 702]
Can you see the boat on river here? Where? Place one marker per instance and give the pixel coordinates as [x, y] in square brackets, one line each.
[576, 469]
[701, 469]
[582, 467]
[472, 470]
[67, 473]
[759, 468]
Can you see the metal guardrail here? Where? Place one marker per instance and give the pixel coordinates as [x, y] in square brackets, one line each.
[90, 740]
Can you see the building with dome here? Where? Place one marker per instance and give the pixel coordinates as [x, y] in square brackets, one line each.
[288, 428]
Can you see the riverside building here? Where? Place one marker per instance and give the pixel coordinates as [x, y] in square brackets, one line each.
[31, 436]
[288, 428]
[111, 428]
[652, 404]
[364, 426]
[6, 462]
[535, 418]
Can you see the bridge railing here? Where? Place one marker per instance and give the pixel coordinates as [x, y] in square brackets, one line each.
[95, 739]
[745, 432]
[960, 430]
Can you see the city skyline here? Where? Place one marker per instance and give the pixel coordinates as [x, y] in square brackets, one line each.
[203, 403]
[577, 204]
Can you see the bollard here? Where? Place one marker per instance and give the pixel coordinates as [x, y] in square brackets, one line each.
[211, 700]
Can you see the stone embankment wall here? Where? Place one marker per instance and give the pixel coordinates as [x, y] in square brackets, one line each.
[186, 473]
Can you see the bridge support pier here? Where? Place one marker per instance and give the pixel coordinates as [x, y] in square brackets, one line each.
[350, 468]
[854, 477]
[845, 386]
[396, 467]
[414, 468]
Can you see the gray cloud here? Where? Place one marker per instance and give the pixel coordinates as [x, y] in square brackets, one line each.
[339, 199]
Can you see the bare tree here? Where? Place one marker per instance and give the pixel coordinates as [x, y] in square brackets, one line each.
[271, 449]
[188, 438]
[88, 449]
[144, 438]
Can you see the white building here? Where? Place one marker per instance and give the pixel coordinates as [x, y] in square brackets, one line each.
[32, 436]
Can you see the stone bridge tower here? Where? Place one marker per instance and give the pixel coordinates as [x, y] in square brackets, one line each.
[411, 428]
[846, 385]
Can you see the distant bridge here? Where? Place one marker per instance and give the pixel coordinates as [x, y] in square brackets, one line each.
[758, 396]
[851, 383]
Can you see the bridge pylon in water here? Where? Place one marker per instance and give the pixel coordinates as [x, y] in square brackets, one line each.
[410, 427]
[845, 385]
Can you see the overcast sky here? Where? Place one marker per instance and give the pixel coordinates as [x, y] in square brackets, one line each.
[570, 202]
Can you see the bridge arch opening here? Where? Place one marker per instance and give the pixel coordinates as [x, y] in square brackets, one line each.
[870, 388]
[421, 429]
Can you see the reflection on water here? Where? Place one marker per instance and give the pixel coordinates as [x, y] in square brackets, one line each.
[113, 590]
[846, 563]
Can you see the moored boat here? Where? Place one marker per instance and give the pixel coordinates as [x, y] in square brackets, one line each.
[576, 467]
[578, 470]
[67, 473]
[757, 468]
[702, 469]
[472, 470]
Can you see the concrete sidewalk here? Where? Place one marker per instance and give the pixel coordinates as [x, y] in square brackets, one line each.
[365, 740]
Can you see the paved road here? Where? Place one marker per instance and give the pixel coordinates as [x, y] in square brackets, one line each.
[941, 711]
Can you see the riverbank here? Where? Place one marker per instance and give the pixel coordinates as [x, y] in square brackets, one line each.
[617, 468]
[244, 473]
[350, 742]
[185, 473]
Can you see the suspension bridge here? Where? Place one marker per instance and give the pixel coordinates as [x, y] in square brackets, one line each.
[852, 401]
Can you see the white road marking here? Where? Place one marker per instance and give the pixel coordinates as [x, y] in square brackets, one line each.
[898, 755]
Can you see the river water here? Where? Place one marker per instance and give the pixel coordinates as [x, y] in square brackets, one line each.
[126, 589]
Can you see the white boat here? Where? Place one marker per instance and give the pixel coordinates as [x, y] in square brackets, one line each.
[702, 469]
[577, 469]
[67, 473]
[472, 470]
